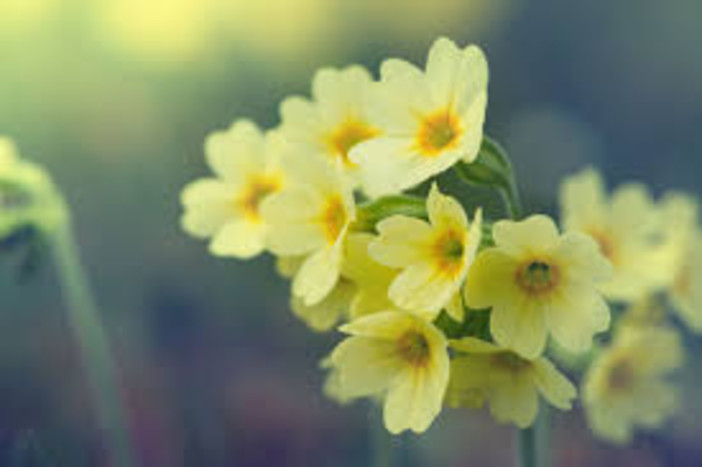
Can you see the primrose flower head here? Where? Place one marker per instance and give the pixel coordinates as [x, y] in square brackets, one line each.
[28, 196]
[398, 356]
[434, 256]
[226, 208]
[626, 387]
[429, 119]
[627, 228]
[337, 118]
[539, 282]
[311, 218]
[511, 384]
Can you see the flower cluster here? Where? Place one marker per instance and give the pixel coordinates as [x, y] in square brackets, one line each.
[655, 248]
[441, 305]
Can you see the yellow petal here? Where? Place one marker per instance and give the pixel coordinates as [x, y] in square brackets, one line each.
[208, 206]
[240, 239]
[402, 241]
[553, 385]
[416, 397]
[318, 275]
[365, 366]
[517, 403]
[535, 230]
[444, 211]
[422, 288]
[237, 152]
[520, 327]
[326, 314]
[489, 279]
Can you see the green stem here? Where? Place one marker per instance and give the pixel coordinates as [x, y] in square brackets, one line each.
[94, 349]
[528, 456]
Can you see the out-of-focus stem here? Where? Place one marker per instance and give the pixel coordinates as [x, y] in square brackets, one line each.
[90, 337]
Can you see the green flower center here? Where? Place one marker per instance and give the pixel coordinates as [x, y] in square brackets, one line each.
[538, 277]
[438, 132]
[413, 347]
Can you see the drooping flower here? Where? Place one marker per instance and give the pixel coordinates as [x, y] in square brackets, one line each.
[511, 384]
[627, 228]
[400, 357]
[337, 118]
[310, 218]
[433, 256]
[226, 208]
[537, 283]
[429, 119]
[625, 387]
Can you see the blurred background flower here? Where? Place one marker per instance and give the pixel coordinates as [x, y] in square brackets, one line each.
[115, 98]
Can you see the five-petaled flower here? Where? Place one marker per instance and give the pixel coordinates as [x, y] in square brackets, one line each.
[539, 282]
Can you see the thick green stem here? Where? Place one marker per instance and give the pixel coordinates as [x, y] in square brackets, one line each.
[94, 349]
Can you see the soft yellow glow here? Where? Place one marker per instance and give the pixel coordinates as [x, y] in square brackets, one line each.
[161, 30]
[281, 27]
[18, 16]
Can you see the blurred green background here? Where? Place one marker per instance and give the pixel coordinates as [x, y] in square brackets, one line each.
[115, 97]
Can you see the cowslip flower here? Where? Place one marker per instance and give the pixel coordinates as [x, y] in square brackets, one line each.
[626, 385]
[335, 121]
[400, 357]
[310, 217]
[484, 372]
[539, 282]
[226, 208]
[626, 227]
[429, 120]
[433, 256]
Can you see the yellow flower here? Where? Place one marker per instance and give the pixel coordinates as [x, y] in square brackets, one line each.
[627, 228]
[399, 356]
[336, 120]
[625, 386]
[510, 383]
[430, 120]
[225, 208]
[539, 282]
[434, 257]
[310, 218]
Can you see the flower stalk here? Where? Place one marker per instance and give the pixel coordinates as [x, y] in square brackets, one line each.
[94, 349]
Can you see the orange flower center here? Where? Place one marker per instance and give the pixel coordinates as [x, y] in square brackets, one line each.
[347, 135]
[256, 189]
[605, 242]
[438, 132]
[413, 347]
[621, 377]
[538, 277]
